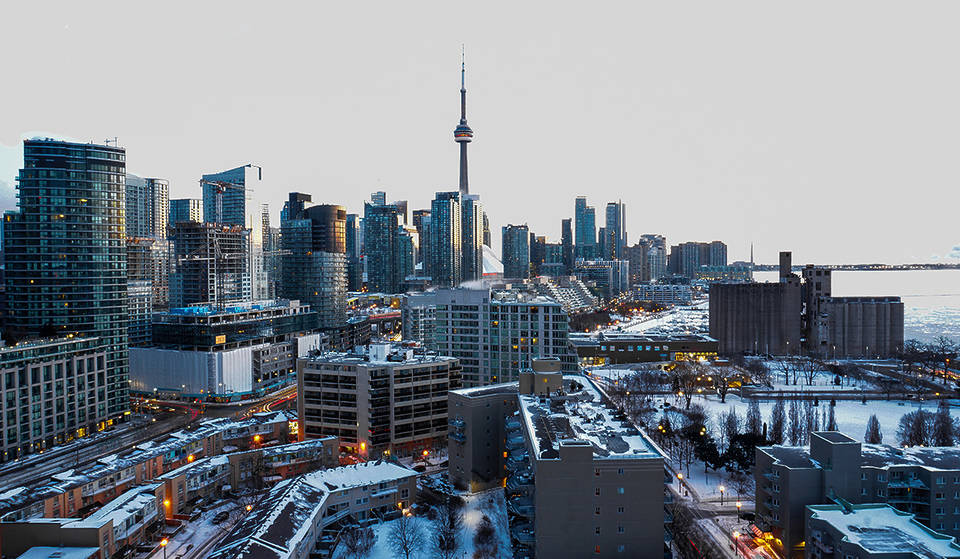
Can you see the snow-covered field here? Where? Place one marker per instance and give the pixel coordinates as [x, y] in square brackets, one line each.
[687, 319]
[491, 503]
[851, 415]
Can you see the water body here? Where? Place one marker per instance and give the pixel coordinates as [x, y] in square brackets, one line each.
[931, 298]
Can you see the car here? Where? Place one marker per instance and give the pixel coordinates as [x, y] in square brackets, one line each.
[195, 514]
[221, 516]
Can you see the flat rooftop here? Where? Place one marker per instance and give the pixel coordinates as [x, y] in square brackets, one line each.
[934, 458]
[582, 338]
[478, 391]
[580, 413]
[883, 529]
[790, 456]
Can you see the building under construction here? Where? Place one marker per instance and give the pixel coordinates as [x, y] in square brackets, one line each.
[210, 262]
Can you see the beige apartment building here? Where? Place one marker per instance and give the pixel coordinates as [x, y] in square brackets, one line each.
[580, 479]
[384, 399]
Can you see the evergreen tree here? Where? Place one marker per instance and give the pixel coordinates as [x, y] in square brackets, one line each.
[778, 421]
[943, 428]
[873, 434]
[754, 419]
[795, 427]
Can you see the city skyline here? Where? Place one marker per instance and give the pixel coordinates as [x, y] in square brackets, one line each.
[727, 141]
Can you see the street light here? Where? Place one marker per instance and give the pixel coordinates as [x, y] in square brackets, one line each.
[736, 538]
[721, 494]
[163, 544]
[739, 504]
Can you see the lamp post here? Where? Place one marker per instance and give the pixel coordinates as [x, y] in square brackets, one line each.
[739, 504]
[721, 494]
[680, 482]
[736, 539]
[163, 544]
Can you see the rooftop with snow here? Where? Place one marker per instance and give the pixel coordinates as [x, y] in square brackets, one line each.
[278, 524]
[580, 412]
[881, 529]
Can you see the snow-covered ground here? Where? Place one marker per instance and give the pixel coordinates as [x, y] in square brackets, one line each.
[682, 319]
[491, 503]
[851, 415]
[195, 533]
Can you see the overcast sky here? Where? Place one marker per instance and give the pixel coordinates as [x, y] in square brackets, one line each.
[828, 128]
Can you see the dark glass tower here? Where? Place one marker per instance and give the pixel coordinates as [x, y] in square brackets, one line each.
[65, 253]
[381, 237]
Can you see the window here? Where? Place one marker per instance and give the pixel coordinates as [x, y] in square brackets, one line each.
[939, 511]
[939, 496]
[619, 529]
[879, 492]
[596, 510]
[863, 490]
[620, 490]
[941, 480]
[619, 510]
[597, 548]
[596, 472]
[863, 476]
[621, 548]
[620, 471]
[882, 477]
[597, 530]
[596, 492]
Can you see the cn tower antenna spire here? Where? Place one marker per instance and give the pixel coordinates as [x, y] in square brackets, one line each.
[463, 135]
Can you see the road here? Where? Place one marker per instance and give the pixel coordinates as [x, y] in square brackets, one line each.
[57, 459]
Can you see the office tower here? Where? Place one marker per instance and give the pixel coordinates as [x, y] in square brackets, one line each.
[552, 264]
[407, 248]
[463, 135]
[566, 241]
[611, 277]
[381, 227]
[586, 239]
[417, 220]
[616, 226]
[65, 253]
[517, 327]
[379, 198]
[210, 265]
[271, 254]
[655, 265]
[486, 229]
[400, 408]
[516, 252]
[471, 215]
[718, 253]
[446, 240]
[354, 264]
[147, 207]
[603, 242]
[185, 209]
[314, 262]
[538, 254]
[146, 221]
[225, 194]
[402, 208]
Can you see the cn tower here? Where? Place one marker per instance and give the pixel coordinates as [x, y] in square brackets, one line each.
[463, 135]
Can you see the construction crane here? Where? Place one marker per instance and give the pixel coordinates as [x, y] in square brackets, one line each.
[219, 187]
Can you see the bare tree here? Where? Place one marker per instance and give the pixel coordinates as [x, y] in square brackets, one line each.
[446, 531]
[942, 349]
[485, 541]
[809, 368]
[358, 541]
[721, 381]
[685, 381]
[778, 422]
[405, 537]
[873, 434]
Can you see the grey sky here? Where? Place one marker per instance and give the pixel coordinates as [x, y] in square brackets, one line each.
[828, 128]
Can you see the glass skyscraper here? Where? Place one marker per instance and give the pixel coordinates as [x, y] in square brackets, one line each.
[65, 253]
[446, 254]
[516, 252]
[586, 225]
[314, 262]
[381, 235]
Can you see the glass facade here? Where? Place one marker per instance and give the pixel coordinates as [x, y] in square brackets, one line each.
[65, 251]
